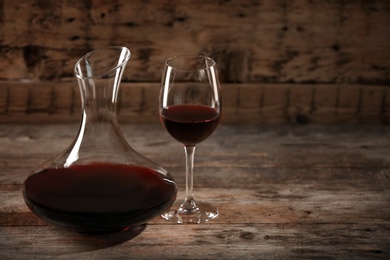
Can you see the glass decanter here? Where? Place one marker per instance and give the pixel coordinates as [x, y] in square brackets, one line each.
[99, 184]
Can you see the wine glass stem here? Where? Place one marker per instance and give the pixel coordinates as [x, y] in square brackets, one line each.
[189, 205]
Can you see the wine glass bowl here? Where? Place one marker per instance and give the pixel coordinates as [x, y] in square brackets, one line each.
[190, 109]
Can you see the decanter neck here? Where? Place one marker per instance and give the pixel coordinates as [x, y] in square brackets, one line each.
[99, 99]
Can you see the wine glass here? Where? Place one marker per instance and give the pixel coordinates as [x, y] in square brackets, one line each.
[190, 109]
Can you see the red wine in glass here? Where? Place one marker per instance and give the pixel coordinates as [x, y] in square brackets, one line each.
[190, 124]
[190, 108]
[98, 197]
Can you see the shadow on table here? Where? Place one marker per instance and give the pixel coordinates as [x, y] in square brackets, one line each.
[90, 242]
[50, 241]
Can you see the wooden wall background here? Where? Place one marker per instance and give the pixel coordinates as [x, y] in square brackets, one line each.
[280, 61]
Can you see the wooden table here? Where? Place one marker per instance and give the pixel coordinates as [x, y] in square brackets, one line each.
[283, 192]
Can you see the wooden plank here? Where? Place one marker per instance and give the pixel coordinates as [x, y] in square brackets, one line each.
[325, 103]
[349, 99]
[242, 103]
[3, 100]
[252, 41]
[386, 107]
[291, 147]
[280, 203]
[270, 241]
[300, 105]
[372, 103]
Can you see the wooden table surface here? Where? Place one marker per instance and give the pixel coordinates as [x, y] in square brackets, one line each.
[298, 192]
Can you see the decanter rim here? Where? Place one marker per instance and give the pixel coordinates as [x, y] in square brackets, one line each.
[109, 70]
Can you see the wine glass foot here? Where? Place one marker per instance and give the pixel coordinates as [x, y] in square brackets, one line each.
[204, 212]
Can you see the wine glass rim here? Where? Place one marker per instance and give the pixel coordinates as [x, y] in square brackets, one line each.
[89, 54]
[213, 63]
